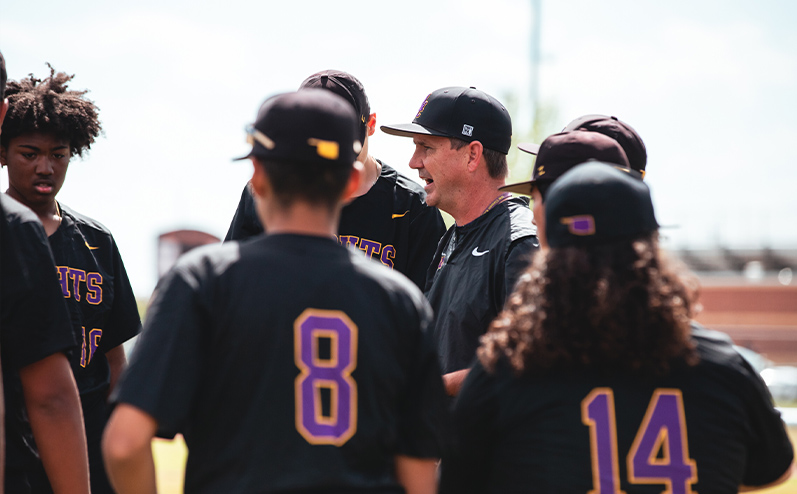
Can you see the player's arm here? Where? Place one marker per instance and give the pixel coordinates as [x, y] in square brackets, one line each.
[416, 475]
[117, 362]
[453, 381]
[127, 450]
[56, 418]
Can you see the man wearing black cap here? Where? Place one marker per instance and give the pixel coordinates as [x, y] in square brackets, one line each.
[330, 385]
[613, 127]
[462, 136]
[591, 379]
[556, 155]
[388, 220]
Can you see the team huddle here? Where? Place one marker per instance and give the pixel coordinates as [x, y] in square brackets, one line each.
[342, 340]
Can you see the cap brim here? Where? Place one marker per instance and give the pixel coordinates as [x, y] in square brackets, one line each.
[519, 188]
[409, 130]
[529, 148]
[244, 157]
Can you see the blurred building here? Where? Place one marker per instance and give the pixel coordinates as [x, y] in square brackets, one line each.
[171, 245]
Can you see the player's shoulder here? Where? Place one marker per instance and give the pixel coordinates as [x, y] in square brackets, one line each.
[15, 213]
[85, 223]
[390, 281]
[716, 350]
[403, 183]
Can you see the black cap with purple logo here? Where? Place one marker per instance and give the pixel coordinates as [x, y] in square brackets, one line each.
[464, 113]
[311, 126]
[349, 88]
[595, 204]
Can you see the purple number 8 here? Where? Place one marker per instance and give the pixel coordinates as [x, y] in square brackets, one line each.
[328, 372]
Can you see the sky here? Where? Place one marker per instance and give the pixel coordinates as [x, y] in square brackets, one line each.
[711, 87]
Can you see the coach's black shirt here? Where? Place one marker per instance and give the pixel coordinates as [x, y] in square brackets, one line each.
[34, 322]
[707, 429]
[289, 362]
[468, 286]
[390, 223]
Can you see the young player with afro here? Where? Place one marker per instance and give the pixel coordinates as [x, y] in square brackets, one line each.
[45, 125]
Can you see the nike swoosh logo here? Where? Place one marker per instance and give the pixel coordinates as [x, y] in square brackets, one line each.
[399, 215]
[476, 252]
[90, 247]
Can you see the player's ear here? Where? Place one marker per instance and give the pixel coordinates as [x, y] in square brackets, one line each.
[260, 182]
[371, 125]
[355, 180]
[3, 110]
[475, 152]
[3, 152]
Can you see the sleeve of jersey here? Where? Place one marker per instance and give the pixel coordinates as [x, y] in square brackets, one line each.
[426, 229]
[518, 259]
[245, 222]
[164, 370]
[424, 417]
[124, 321]
[466, 466]
[36, 320]
[770, 451]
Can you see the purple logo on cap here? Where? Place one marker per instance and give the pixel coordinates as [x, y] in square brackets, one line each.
[423, 106]
[580, 225]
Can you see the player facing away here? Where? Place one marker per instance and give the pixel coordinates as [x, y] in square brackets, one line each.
[592, 379]
[288, 362]
[461, 137]
[45, 126]
[39, 393]
[387, 219]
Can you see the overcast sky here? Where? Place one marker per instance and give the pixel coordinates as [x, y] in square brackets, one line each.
[711, 86]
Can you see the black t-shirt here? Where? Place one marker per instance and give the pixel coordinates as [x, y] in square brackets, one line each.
[708, 428]
[390, 223]
[288, 363]
[97, 290]
[467, 286]
[34, 322]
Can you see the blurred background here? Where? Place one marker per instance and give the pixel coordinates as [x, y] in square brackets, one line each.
[709, 85]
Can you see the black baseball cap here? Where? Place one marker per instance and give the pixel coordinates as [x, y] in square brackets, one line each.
[613, 127]
[464, 113]
[347, 86]
[311, 126]
[561, 152]
[594, 204]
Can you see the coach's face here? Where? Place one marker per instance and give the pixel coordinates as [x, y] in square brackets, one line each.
[443, 169]
[37, 166]
[538, 208]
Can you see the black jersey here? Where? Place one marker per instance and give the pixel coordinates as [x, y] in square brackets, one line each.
[707, 428]
[34, 322]
[101, 303]
[474, 269]
[288, 362]
[390, 223]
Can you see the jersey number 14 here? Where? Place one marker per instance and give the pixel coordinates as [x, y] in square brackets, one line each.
[325, 350]
[659, 454]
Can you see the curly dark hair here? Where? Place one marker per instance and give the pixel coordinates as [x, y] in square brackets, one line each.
[36, 105]
[615, 307]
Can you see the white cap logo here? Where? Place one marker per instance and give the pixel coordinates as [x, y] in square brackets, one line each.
[467, 130]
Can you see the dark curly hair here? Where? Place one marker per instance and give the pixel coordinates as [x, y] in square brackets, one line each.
[47, 106]
[616, 307]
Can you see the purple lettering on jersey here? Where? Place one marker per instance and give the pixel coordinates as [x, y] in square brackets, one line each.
[348, 240]
[330, 372]
[90, 345]
[388, 254]
[94, 287]
[77, 276]
[597, 412]
[63, 277]
[660, 453]
[370, 247]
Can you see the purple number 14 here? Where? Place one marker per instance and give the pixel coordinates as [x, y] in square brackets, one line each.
[659, 454]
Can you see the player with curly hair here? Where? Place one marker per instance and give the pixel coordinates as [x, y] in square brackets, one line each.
[45, 125]
[593, 380]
